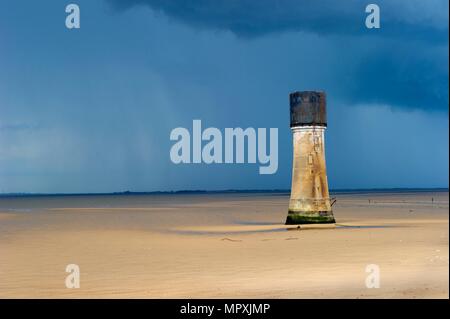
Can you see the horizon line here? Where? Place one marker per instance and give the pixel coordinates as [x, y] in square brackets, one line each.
[228, 191]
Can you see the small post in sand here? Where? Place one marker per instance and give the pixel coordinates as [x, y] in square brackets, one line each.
[310, 199]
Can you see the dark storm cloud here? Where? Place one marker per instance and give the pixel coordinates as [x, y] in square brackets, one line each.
[404, 81]
[416, 78]
[91, 110]
[250, 18]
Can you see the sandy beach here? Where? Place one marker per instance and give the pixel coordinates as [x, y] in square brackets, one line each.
[223, 246]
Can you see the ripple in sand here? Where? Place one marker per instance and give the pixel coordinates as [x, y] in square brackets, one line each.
[258, 227]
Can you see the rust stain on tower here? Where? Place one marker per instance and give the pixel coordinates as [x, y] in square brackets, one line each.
[310, 199]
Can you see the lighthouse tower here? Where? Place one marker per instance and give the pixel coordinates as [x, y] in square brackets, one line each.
[310, 199]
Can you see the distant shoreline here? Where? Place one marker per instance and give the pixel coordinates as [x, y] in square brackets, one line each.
[231, 191]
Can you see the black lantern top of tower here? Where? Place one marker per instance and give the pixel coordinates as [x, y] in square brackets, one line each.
[308, 108]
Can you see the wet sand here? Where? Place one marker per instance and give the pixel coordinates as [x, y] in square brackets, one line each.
[221, 246]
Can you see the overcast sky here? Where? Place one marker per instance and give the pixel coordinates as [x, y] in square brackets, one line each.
[91, 110]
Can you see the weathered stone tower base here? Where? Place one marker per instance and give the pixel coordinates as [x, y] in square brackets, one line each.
[310, 200]
[298, 218]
